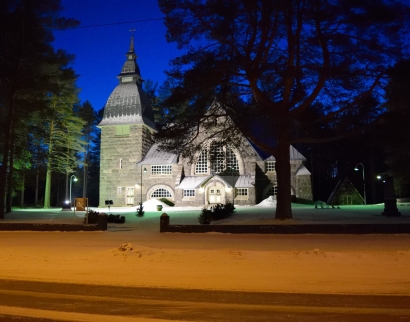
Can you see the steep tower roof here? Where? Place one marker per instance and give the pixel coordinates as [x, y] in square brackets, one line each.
[128, 103]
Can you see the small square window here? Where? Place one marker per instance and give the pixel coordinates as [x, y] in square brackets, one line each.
[119, 191]
[270, 166]
[189, 193]
[161, 169]
[242, 192]
[273, 191]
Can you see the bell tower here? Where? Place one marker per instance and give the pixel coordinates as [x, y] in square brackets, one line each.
[126, 130]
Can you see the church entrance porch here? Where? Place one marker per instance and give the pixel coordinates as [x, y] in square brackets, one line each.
[215, 193]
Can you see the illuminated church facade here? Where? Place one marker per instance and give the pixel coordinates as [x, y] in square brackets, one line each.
[133, 169]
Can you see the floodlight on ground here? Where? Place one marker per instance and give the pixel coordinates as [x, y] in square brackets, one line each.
[72, 178]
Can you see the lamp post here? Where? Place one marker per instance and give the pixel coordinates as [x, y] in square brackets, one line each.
[73, 177]
[145, 170]
[140, 212]
[233, 185]
[364, 182]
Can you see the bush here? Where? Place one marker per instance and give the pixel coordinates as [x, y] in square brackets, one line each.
[92, 217]
[116, 219]
[205, 217]
[216, 212]
[140, 211]
[220, 211]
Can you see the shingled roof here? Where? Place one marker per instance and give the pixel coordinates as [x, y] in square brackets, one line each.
[128, 103]
[157, 156]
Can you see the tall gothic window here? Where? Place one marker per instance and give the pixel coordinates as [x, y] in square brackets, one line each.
[218, 158]
[217, 155]
[202, 164]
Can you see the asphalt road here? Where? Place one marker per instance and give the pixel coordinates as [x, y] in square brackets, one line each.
[43, 302]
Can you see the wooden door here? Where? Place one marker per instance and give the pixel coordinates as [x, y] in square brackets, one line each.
[215, 195]
[130, 195]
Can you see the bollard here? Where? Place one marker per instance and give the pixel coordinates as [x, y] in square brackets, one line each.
[163, 223]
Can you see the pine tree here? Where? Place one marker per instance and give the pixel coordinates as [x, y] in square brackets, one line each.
[27, 67]
[90, 134]
[64, 136]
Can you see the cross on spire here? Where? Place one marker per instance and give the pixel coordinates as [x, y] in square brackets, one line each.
[132, 40]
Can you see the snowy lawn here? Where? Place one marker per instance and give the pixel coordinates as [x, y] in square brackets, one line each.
[136, 254]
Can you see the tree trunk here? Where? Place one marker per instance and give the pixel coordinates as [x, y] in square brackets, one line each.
[37, 181]
[9, 197]
[3, 180]
[47, 192]
[282, 165]
[6, 154]
[85, 174]
[67, 187]
[22, 190]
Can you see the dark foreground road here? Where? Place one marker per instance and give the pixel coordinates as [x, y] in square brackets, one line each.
[43, 302]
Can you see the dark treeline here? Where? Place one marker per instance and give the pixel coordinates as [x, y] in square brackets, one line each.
[46, 135]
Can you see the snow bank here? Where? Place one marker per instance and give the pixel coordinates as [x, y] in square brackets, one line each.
[151, 205]
[268, 202]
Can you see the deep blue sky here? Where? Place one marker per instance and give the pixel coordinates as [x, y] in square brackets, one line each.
[100, 50]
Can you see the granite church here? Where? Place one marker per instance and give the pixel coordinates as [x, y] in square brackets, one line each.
[133, 169]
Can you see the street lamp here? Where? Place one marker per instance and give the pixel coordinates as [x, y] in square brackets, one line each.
[73, 177]
[145, 171]
[233, 184]
[364, 182]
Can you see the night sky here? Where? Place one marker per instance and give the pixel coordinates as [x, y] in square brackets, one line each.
[102, 40]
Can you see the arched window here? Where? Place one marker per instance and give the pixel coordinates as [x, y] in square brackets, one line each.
[218, 158]
[161, 193]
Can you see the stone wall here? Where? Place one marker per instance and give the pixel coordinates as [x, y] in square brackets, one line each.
[304, 187]
[101, 224]
[393, 228]
[118, 169]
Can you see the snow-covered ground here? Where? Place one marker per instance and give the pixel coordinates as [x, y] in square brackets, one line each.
[136, 254]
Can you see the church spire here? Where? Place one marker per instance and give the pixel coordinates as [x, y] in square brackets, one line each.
[131, 50]
[130, 72]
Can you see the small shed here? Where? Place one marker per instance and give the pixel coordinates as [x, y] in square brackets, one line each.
[345, 193]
